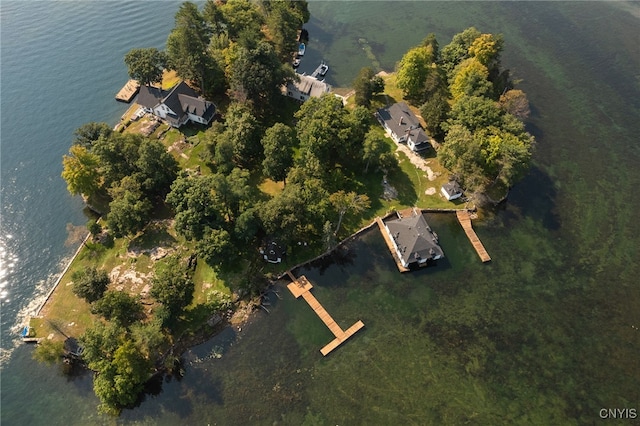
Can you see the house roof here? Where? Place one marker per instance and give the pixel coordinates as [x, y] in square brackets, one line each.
[452, 188]
[311, 86]
[399, 118]
[181, 99]
[414, 238]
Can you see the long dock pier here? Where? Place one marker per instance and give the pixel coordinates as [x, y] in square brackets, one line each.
[302, 287]
[465, 221]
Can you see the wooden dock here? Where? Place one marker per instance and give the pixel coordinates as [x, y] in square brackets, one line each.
[465, 222]
[390, 244]
[129, 91]
[302, 287]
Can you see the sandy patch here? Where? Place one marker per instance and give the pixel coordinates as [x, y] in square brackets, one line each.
[418, 161]
[430, 191]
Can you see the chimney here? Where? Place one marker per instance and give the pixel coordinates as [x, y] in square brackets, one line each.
[401, 117]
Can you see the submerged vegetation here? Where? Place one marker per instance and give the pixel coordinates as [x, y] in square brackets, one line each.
[183, 213]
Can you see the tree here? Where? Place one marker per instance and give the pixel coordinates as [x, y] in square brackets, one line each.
[90, 283]
[117, 155]
[278, 142]
[172, 286]
[157, 168]
[515, 102]
[120, 383]
[434, 112]
[470, 80]
[374, 147]
[366, 85]
[149, 338]
[88, 133]
[192, 201]
[241, 16]
[129, 211]
[94, 227]
[258, 73]
[486, 49]
[474, 113]
[216, 247]
[412, 72]
[348, 201]
[145, 64]
[458, 50]
[100, 341]
[187, 46]
[283, 23]
[243, 131]
[49, 351]
[80, 171]
[119, 307]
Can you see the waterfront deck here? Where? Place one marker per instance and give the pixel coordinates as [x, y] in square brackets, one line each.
[465, 221]
[129, 91]
[302, 287]
[390, 245]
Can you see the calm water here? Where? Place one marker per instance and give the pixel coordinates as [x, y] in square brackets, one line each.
[546, 334]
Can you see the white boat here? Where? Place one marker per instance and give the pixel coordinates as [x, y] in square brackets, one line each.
[301, 49]
[296, 63]
[323, 69]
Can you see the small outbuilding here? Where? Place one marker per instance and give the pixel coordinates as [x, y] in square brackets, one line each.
[451, 190]
[272, 252]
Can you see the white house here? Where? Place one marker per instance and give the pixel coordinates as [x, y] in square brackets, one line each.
[176, 106]
[451, 190]
[307, 87]
[403, 126]
[414, 242]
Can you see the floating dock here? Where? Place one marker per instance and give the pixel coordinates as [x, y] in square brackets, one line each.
[465, 221]
[391, 246]
[302, 287]
[129, 91]
[321, 71]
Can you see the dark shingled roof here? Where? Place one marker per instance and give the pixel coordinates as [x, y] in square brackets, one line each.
[414, 238]
[452, 188]
[402, 121]
[181, 99]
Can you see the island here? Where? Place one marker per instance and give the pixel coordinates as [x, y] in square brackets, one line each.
[230, 170]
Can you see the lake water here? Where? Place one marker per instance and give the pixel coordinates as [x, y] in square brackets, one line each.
[548, 333]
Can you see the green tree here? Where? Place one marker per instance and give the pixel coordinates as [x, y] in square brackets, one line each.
[118, 306]
[129, 211]
[80, 170]
[172, 286]
[243, 131]
[187, 46]
[94, 227]
[145, 64]
[348, 201]
[366, 85]
[458, 50]
[412, 72]
[149, 338]
[120, 383]
[192, 201]
[90, 283]
[470, 79]
[283, 23]
[100, 342]
[374, 147]
[117, 156]
[156, 167]
[88, 133]
[486, 48]
[435, 112]
[216, 247]
[474, 113]
[49, 351]
[278, 143]
[242, 16]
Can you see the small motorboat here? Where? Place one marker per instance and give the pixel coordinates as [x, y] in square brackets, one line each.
[301, 49]
[322, 71]
[296, 63]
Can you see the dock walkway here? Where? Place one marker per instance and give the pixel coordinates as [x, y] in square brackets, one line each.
[302, 287]
[129, 91]
[391, 246]
[465, 222]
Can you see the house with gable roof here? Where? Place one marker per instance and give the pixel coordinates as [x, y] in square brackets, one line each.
[403, 126]
[177, 105]
[414, 242]
[305, 87]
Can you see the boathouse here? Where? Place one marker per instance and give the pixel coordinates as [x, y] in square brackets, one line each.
[413, 241]
[451, 190]
[176, 106]
[403, 126]
[307, 87]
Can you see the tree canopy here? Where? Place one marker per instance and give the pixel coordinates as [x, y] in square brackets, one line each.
[90, 283]
[146, 64]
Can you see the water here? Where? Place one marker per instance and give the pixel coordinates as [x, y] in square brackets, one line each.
[546, 333]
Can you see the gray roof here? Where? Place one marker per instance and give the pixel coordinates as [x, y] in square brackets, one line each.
[414, 238]
[180, 99]
[311, 86]
[399, 118]
[452, 188]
